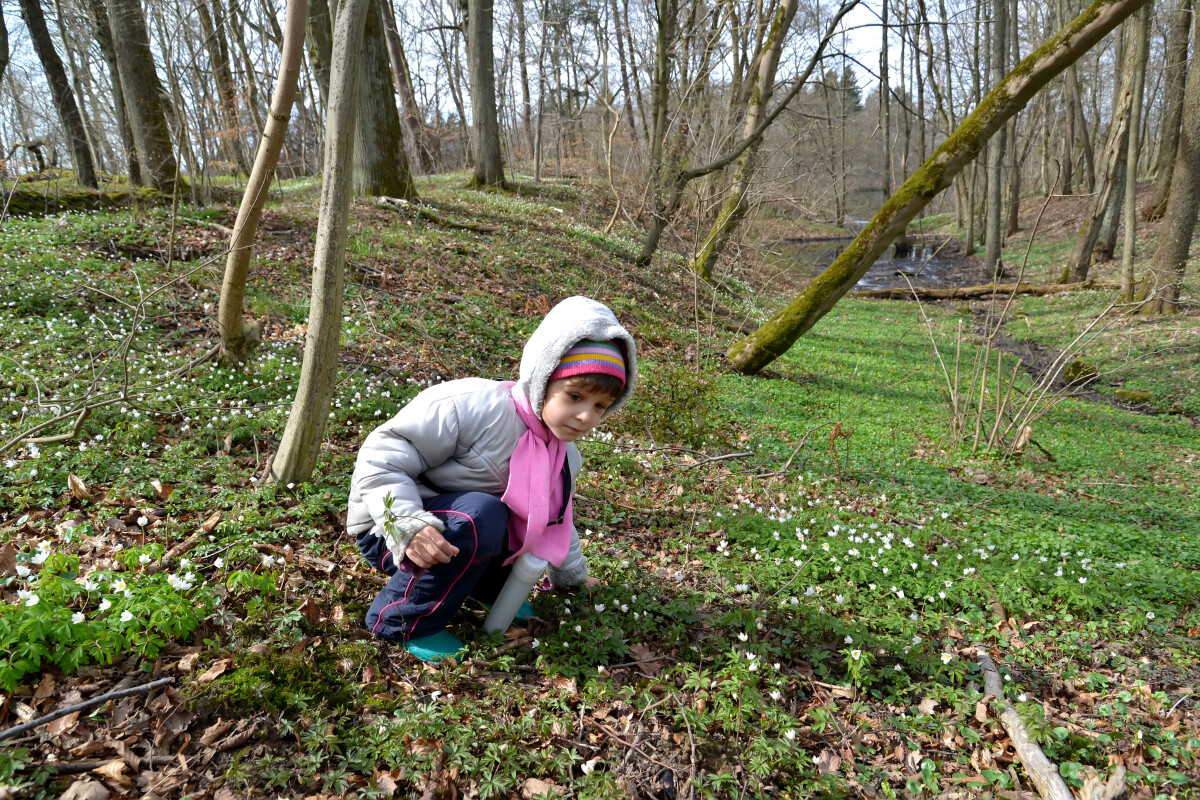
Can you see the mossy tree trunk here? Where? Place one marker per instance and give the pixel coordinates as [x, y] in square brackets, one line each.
[238, 335]
[305, 430]
[1141, 53]
[993, 229]
[779, 333]
[1161, 288]
[735, 206]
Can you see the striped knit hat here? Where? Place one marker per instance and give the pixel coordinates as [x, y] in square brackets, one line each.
[591, 358]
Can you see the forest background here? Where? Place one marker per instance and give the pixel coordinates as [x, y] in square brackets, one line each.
[942, 543]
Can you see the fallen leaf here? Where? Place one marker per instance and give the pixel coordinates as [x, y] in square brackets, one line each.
[8, 560]
[535, 787]
[225, 793]
[162, 490]
[62, 724]
[78, 488]
[565, 684]
[649, 663]
[387, 781]
[215, 731]
[188, 662]
[115, 771]
[827, 762]
[927, 705]
[216, 670]
[912, 761]
[421, 747]
[85, 789]
[311, 611]
[44, 689]
[981, 710]
[262, 648]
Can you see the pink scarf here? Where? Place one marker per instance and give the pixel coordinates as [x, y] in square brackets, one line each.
[535, 489]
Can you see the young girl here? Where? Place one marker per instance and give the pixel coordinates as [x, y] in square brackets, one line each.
[473, 473]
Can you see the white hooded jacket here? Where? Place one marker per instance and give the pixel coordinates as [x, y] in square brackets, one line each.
[459, 436]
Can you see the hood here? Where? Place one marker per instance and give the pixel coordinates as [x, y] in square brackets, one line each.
[570, 321]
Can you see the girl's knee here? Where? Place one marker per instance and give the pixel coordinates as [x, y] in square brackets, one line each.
[482, 517]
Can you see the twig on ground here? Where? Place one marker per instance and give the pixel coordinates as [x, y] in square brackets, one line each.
[86, 704]
[1039, 768]
[792, 457]
[725, 457]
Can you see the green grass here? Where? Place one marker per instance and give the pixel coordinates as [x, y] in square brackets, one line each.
[756, 610]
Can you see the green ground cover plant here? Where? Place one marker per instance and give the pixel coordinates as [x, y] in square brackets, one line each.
[797, 569]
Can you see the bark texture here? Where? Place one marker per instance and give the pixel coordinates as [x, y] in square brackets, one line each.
[410, 117]
[305, 430]
[1162, 285]
[779, 333]
[60, 89]
[1175, 80]
[380, 162]
[143, 98]
[485, 122]
[238, 335]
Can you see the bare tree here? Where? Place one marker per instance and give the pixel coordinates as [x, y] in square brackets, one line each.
[994, 230]
[380, 161]
[485, 123]
[142, 95]
[782, 330]
[239, 336]
[1175, 77]
[60, 90]
[305, 429]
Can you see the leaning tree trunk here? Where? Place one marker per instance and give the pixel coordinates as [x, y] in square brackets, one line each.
[301, 441]
[60, 88]
[410, 118]
[238, 335]
[380, 161]
[143, 100]
[735, 206]
[485, 123]
[779, 333]
[1110, 189]
[1161, 288]
[1175, 79]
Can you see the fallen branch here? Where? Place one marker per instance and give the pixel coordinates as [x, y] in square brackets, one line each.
[1043, 773]
[95, 701]
[399, 204]
[724, 457]
[983, 290]
[80, 767]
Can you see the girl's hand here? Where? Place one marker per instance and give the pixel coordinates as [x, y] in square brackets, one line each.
[429, 547]
[590, 581]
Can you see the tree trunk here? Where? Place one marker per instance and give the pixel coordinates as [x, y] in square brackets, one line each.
[3, 45]
[1015, 157]
[238, 335]
[1175, 79]
[319, 37]
[523, 66]
[774, 338]
[60, 89]
[143, 99]
[994, 231]
[103, 32]
[485, 125]
[735, 206]
[1114, 161]
[380, 163]
[410, 117]
[218, 57]
[301, 442]
[236, 28]
[1141, 52]
[885, 106]
[1161, 286]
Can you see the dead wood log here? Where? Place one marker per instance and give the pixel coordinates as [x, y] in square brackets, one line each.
[1041, 771]
[86, 704]
[984, 290]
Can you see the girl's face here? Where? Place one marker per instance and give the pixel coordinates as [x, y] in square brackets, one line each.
[570, 410]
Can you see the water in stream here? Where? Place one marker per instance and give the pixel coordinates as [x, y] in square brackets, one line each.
[927, 263]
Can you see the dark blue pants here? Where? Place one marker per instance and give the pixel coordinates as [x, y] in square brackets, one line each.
[422, 603]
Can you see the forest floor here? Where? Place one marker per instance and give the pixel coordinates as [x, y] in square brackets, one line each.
[799, 569]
